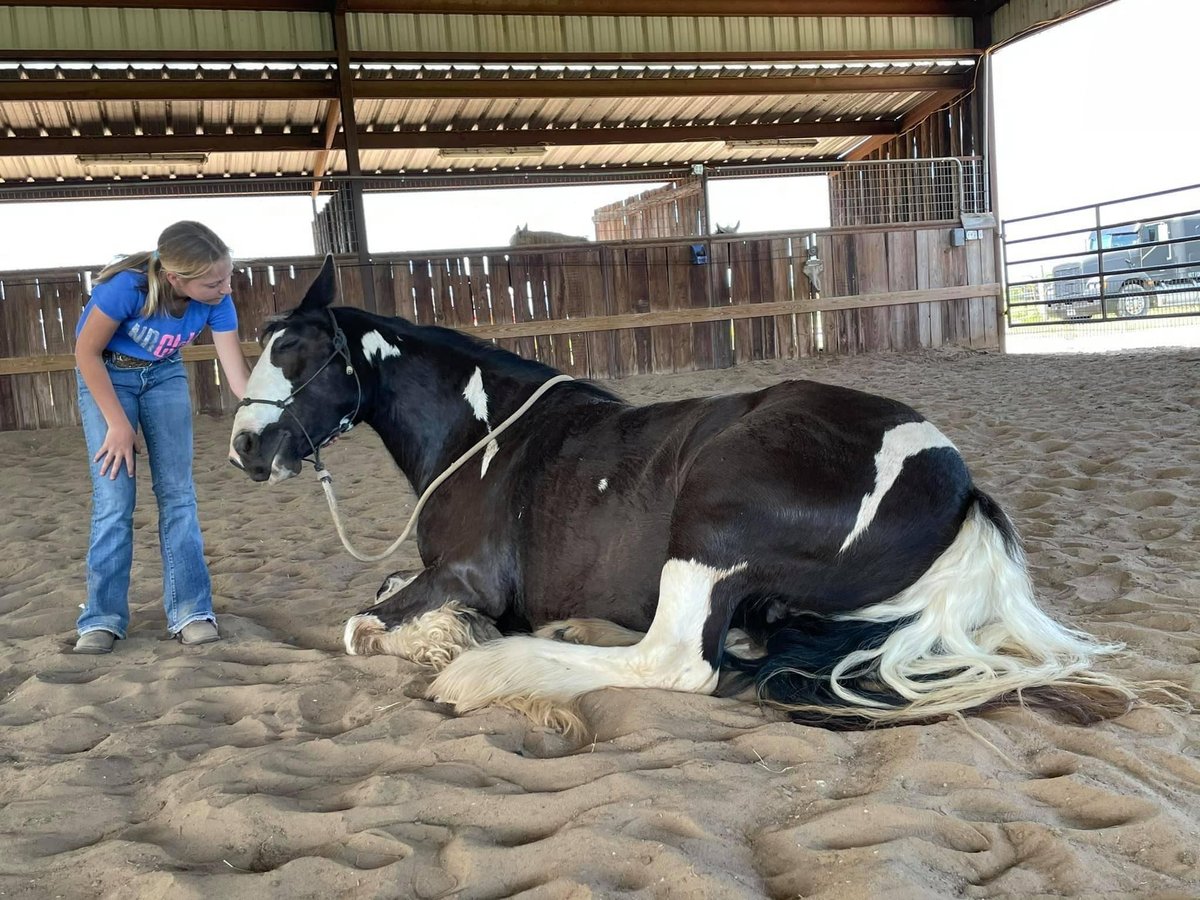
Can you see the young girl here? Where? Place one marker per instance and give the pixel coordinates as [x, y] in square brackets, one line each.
[143, 309]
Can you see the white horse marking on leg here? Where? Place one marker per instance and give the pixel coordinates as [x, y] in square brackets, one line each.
[518, 669]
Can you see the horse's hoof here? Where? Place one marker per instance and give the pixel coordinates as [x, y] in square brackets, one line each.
[432, 639]
[362, 635]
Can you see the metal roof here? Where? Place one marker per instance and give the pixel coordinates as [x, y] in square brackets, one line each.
[141, 90]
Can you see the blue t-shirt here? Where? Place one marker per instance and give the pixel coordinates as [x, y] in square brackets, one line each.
[158, 336]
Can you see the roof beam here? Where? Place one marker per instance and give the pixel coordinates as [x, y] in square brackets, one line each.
[911, 119]
[561, 88]
[464, 88]
[672, 7]
[688, 8]
[415, 140]
[591, 137]
[111, 89]
[681, 57]
[333, 116]
[175, 143]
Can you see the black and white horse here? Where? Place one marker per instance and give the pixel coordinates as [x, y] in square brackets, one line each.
[839, 534]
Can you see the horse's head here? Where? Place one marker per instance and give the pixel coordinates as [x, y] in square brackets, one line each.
[729, 229]
[302, 393]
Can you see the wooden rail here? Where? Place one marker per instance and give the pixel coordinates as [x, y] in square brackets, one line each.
[62, 362]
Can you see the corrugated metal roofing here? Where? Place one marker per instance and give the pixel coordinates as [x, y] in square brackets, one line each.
[666, 97]
[44, 27]
[653, 34]
[1018, 15]
[305, 116]
[85, 28]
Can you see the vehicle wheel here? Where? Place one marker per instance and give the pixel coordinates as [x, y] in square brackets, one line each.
[1133, 301]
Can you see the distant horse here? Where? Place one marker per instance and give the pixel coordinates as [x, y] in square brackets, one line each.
[523, 237]
[838, 532]
[729, 229]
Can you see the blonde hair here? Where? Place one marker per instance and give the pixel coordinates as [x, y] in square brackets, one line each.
[187, 249]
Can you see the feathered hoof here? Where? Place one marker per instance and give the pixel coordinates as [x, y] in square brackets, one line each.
[433, 639]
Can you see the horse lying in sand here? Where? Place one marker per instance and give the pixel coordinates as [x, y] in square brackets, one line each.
[838, 533]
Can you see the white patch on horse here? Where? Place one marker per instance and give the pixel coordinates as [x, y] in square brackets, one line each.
[376, 345]
[267, 382]
[526, 668]
[602, 485]
[477, 397]
[898, 445]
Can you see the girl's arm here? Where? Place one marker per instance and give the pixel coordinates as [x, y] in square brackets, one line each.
[121, 443]
[233, 361]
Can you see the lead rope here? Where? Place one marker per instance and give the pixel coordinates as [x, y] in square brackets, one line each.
[326, 478]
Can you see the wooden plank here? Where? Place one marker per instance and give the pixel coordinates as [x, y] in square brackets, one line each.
[924, 319]
[637, 259]
[525, 295]
[700, 287]
[658, 297]
[678, 263]
[722, 298]
[500, 297]
[555, 292]
[403, 302]
[577, 266]
[781, 290]
[976, 330]
[871, 259]
[63, 388]
[254, 297]
[902, 276]
[10, 366]
[993, 307]
[35, 407]
[741, 285]
[423, 299]
[597, 300]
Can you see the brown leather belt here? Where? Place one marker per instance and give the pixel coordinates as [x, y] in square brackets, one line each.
[121, 361]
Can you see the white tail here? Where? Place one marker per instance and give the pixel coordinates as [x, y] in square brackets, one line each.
[976, 633]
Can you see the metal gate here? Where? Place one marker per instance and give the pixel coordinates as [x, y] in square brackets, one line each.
[1135, 258]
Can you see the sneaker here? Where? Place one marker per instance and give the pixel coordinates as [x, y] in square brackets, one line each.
[98, 641]
[199, 632]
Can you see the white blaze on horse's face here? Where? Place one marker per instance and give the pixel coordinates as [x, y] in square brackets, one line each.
[477, 397]
[377, 348]
[267, 382]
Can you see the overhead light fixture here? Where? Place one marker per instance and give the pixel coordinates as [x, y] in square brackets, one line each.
[471, 152]
[771, 142]
[130, 160]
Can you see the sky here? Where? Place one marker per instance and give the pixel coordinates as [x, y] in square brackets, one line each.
[1094, 109]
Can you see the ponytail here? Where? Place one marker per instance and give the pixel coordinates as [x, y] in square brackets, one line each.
[147, 262]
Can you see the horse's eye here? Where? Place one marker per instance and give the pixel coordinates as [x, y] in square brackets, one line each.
[285, 343]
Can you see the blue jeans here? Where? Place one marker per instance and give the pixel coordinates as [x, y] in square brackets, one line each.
[157, 399]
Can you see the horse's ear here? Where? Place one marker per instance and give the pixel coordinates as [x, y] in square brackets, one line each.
[323, 289]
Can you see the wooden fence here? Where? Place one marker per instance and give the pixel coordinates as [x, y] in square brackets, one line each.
[601, 310]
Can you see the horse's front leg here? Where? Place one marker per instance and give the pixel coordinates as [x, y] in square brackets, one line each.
[429, 618]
